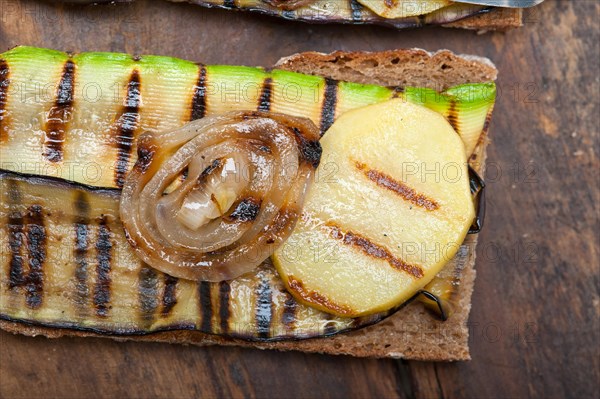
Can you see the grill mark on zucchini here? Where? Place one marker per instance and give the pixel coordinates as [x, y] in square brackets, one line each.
[169, 299]
[125, 127]
[60, 114]
[104, 259]
[288, 317]
[206, 311]
[81, 228]
[374, 250]
[356, 10]
[263, 311]
[224, 312]
[15, 236]
[397, 91]
[329, 104]
[35, 232]
[264, 101]
[148, 294]
[4, 87]
[302, 325]
[407, 193]
[199, 98]
[229, 3]
[453, 116]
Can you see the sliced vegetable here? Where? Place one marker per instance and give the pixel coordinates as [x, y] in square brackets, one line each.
[386, 218]
[66, 263]
[246, 178]
[78, 117]
[403, 8]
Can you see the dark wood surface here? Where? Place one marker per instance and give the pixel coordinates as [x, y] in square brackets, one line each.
[535, 315]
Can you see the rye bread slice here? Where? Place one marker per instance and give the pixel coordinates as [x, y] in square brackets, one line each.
[412, 332]
[499, 19]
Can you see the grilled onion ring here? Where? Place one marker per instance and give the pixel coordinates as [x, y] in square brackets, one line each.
[247, 175]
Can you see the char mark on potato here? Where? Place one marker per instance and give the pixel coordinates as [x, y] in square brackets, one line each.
[397, 187]
[374, 250]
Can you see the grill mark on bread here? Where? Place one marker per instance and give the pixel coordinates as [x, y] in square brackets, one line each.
[329, 104]
[148, 294]
[15, 236]
[60, 114]
[4, 87]
[407, 193]
[81, 230]
[224, 312]
[264, 310]
[125, 127]
[315, 298]
[206, 310]
[169, 299]
[199, 98]
[35, 232]
[103, 267]
[453, 116]
[229, 3]
[374, 250]
[264, 101]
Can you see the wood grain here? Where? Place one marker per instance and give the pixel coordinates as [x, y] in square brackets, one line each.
[536, 305]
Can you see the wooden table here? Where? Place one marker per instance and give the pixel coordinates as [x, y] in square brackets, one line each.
[534, 321]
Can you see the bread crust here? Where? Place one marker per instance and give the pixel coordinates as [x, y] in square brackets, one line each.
[499, 19]
[412, 332]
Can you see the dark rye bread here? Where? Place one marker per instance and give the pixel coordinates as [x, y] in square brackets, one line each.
[499, 19]
[412, 332]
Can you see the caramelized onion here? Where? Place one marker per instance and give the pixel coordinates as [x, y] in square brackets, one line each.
[213, 199]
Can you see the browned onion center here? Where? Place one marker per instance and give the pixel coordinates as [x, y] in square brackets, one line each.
[213, 199]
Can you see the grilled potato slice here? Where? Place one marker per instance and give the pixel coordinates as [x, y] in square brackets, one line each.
[389, 207]
[403, 8]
